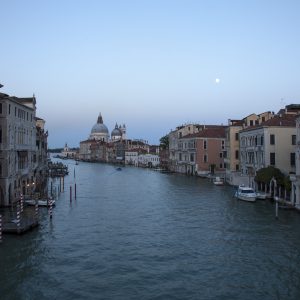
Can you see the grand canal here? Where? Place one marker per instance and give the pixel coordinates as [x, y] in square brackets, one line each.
[140, 234]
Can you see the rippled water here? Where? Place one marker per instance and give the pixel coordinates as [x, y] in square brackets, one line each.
[140, 234]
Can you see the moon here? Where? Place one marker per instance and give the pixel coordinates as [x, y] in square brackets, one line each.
[217, 80]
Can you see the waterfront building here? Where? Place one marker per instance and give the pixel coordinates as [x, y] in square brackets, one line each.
[232, 145]
[210, 147]
[148, 160]
[68, 153]
[295, 178]
[23, 148]
[272, 143]
[174, 147]
[132, 157]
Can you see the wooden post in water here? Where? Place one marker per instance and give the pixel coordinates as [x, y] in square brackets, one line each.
[60, 183]
[51, 191]
[70, 193]
[75, 191]
[276, 208]
[0, 228]
[63, 183]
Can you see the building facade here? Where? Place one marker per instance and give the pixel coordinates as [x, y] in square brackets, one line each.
[270, 144]
[23, 149]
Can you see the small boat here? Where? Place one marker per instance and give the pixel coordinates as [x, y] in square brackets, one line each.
[118, 169]
[245, 193]
[218, 181]
[40, 202]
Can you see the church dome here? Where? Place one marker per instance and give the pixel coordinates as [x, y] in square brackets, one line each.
[99, 130]
[116, 132]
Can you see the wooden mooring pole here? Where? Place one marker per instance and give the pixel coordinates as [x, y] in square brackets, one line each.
[75, 191]
[0, 228]
[70, 193]
[276, 208]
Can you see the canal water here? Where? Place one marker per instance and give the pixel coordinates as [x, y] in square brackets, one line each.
[140, 234]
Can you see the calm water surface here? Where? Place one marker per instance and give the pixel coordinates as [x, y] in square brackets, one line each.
[140, 234]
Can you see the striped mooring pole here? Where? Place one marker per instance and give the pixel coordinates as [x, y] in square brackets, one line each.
[0, 228]
[21, 202]
[50, 208]
[18, 218]
[36, 210]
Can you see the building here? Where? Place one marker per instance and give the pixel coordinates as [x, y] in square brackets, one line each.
[23, 149]
[272, 143]
[232, 147]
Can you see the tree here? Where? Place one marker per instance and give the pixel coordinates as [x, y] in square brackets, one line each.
[266, 174]
[164, 142]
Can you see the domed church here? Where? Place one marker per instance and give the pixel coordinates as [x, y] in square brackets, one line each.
[118, 133]
[99, 131]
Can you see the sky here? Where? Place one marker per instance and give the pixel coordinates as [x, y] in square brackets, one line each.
[150, 64]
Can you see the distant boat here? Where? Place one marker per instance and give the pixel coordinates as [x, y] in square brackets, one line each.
[218, 181]
[118, 169]
[245, 193]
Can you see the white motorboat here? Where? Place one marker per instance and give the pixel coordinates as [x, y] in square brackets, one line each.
[245, 193]
[218, 181]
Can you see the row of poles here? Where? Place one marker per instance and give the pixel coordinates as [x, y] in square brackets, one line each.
[20, 205]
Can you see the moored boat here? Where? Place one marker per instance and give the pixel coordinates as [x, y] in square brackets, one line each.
[245, 193]
[40, 202]
[218, 181]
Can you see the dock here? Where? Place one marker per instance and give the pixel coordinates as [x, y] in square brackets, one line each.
[27, 221]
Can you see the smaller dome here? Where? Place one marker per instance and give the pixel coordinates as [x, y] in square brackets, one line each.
[116, 132]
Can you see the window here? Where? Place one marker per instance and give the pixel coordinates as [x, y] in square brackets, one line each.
[272, 139]
[263, 119]
[293, 160]
[204, 144]
[221, 154]
[0, 135]
[236, 154]
[9, 109]
[221, 166]
[223, 145]
[205, 158]
[272, 159]
[0, 108]
[237, 167]
[192, 157]
[293, 139]
[236, 136]
[251, 122]
[261, 140]
[180, 157]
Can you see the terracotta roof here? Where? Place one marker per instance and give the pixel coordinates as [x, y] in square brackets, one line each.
[211, 132]
[285, 120]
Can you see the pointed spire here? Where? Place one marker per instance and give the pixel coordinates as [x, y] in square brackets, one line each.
[100, 120]
[116, 127]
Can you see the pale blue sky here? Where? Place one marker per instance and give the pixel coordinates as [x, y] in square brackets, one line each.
[149, 64]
